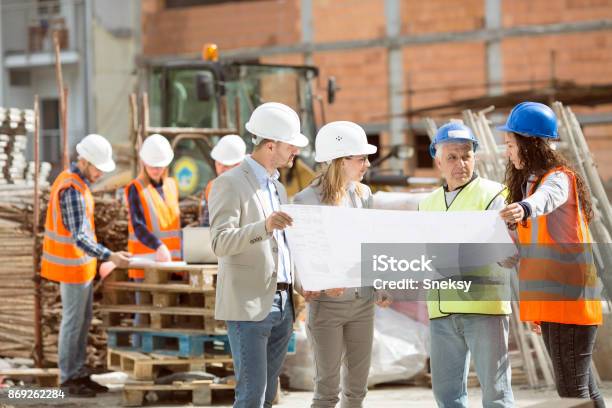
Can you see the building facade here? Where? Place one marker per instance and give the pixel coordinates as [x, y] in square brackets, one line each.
[392, 57]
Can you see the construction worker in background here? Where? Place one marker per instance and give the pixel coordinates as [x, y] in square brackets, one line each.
[228, 153]
[341, 321]
[153, 211]
[550, 207]
[70, 253]
[460, 326]
[255, 277]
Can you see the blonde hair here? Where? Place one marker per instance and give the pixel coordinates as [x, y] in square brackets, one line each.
[144, 176]
[332, 183]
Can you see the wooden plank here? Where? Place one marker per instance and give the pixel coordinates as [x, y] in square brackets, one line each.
[145, 368]
[148, 329]
[186, 311]
[177, 386]
[153, 287]
[208, 268]
[29, 372]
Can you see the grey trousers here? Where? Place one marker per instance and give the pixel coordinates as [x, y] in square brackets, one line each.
[341, 335]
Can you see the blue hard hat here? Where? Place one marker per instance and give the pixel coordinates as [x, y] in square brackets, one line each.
[532, 119]
[453, 132]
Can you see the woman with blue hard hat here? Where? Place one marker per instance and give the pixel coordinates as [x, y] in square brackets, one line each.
[550, 207]
[340, 321]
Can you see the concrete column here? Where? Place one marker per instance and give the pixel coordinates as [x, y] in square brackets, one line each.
[2, 70]
[88, 68]
[396, 75]
[495, 73]
[307, 28]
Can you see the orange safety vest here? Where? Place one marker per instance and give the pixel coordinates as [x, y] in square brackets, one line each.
[62, 260]
[204, 196]
[163, 219]
[557, 264]
[208, 188]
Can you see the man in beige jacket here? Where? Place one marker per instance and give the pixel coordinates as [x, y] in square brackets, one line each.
[254, 281]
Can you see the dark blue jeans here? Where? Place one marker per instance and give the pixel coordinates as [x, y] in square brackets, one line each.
[258, 351]
[570, 347]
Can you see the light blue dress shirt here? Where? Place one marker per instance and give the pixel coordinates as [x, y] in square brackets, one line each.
[273, 204]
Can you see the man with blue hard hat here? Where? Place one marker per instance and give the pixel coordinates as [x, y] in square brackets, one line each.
[457, 324]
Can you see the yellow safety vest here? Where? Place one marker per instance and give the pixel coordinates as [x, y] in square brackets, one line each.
[477, 195]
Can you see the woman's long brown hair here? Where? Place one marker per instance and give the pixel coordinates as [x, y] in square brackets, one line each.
[538, 158]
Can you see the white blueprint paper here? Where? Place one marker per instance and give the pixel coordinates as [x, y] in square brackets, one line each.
[325, 241]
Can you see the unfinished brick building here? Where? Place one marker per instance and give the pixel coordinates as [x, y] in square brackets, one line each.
[395, 57]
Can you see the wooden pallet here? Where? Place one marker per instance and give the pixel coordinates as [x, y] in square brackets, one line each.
[177, 344]
[142, 366]
[201, 391]
[192, 300]
[197, 277]
[175, 318]
[45, 377]
[171, 297]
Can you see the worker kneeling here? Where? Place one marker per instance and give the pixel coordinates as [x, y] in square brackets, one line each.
[458, 327]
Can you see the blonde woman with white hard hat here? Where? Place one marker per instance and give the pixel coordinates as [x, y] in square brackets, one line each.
[340, 321]
[228, 153]
[153, 209]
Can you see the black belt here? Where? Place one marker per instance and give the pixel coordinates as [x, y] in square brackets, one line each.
[283, 286]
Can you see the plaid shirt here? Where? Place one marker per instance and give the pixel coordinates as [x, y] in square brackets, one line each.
[72, 206]
[137, 218]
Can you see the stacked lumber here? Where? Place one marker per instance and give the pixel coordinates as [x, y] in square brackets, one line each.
[17, 323]
[15, 124]
[17, 259]
[111, 221]
[190, 211]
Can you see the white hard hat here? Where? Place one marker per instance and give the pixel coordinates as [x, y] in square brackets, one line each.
[98, 151]
[275, 121]
[229, 150]
[156, 151]
[341, 139]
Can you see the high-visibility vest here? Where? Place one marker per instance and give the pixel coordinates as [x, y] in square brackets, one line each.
[208, 188]
[163, 219]
[62, 260]
[488, 282]
[557, 274]
[204, 202]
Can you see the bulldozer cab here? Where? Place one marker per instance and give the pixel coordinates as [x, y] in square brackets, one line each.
[217, 95]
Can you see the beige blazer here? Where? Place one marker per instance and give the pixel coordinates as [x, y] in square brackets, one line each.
[246, 281]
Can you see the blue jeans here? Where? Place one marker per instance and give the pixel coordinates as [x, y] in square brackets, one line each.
[77, 311]
[258, 351]
[452, 339]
